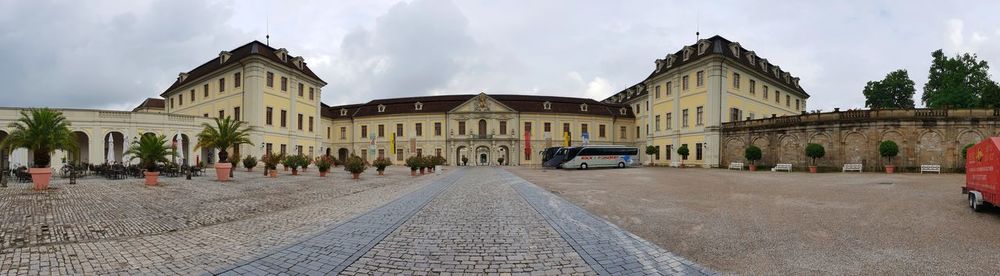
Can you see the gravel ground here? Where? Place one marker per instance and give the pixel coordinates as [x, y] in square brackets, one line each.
[792, 223]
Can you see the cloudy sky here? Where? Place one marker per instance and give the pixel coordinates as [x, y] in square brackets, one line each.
[113, 54]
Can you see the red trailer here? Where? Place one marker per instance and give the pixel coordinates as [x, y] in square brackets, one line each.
[982, 174]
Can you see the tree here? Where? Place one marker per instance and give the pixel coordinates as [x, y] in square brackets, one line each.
[150, 150]
[965, 151]
[895, 91]
[960, 82]
[652, 150]
[683, 151]
[888, 149]
[225, 134]
[43, 131]
[752, 154]
[815, 151]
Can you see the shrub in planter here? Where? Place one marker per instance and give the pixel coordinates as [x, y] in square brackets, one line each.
[271, 161]
[814, 151]
[249, 162]
[465, 161]
[380, 164]
[414, 163]
[888, 149]
[355, 165]
[224, 135]
[43, 131]
[305, 161]
[323, 163]
[428, 163]
[500, 161]
[439, 161]
[150, 150]
[650, 151]
[683, 152]
[752, 154]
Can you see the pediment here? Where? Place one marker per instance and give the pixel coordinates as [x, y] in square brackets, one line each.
[482, 103]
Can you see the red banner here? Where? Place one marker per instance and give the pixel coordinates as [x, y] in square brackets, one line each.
[527, 145]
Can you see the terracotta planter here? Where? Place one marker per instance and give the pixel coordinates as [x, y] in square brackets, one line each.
[274, 173]
[421, 171]
[381, 172]
[812, 169]
[355, 175]
[295, 172]
[322, 174]
[413, 172]
[222, 171]
[286, 168]
[753, 167]
[249, 170]
[890, 169]
[40, 177]
[151, 178]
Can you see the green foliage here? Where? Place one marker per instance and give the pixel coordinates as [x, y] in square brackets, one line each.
[324, 162]
[249, 162]
[683, 151]
[465, 160]
[427, 162]
[271, 160]
[43, 131]
[815, 151]
[965, 150]
[752, 154]
[439, 160]
[305, 161]
[225, 134]
[960, 82]
[414, 162]
[354, 164]
[151, 149]
[651, 150]
[888, 149]
[234, 160]
[295, 162]
[500, 160]
[381, 163]
[895, 91]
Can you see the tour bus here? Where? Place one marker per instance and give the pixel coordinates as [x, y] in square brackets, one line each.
[586, 157]
[549, 158]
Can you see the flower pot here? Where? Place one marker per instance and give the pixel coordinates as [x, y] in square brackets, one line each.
[355, 175]
[151, 178]
[381, 172]
[322, 174]
[890, 169]
[421, 171]
[274, 173]
[812, 169]
[249, 169]
[295, 172]
[413, 172]
[286, 168]
[222, 171]
[40, 177]
[753, 167]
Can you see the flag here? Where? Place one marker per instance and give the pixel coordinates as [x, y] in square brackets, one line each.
[392, 143]
[586, 138]
[527, 145]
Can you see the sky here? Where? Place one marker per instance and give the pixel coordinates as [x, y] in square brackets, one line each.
[106, 54]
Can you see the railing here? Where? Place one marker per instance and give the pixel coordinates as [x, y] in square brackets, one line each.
[855, 114]
[931, 113]
[114, 114]
[862, 115]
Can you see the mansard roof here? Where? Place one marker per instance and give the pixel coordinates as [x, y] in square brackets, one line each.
[155, 103]
[446, 103]
[254, 48]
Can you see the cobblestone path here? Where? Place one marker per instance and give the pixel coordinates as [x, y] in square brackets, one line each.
[475, 220]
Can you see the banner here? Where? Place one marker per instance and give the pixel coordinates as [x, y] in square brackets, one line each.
[566, 139]
[527, 145]
[392, 143]
[586, 138]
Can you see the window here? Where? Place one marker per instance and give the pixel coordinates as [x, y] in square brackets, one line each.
[381, 153]
[327, 132]
[419, 129]
[171, 103]
[503, 127]
[399, 154]
[364, 131]
[205, 115]
[284, 149]
[765, 92]
[736, 80]
[735, 114]
[668, 152]
[636, 109]
[700, 78]
[657, 89]
[547, 105]
[685, 157]
[437, 129]
[270, 148]
[700, 116]
[637, 132]
[565, 127]
[697, 151]
[624, 132]
[236, 113]
[192, 95]
[669, 84]
[583, 107]
[527, 127]
[752, 116]
[222, 84]
[461, 128]
[312, 93]
[222, 114]
[269, 119]
[548, 127]
[270, 79]
[381, 130]
[684, 118]
[302, 90]
[310, 123]
[420, 152]
[364, 155]
[284, 84]
[418, 106]
[657, 155]
[343, 133]
[205, 88]
[777, 96]
[583, 128]
[753, 87]
[684, 82]
[601, 131]
[180, 99]
[788, 100]
[298, 119]
[437, 152]
[657, 122]
[298, 150]
[669, 120]
[284, 118]
[797, 104]
[399, 130]
[236, 79]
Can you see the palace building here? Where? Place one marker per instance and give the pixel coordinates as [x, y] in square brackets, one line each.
[683, 101]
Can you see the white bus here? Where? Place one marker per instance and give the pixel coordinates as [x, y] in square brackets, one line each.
[586, 157]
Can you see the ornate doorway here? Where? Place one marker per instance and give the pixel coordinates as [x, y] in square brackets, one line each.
[483, 156]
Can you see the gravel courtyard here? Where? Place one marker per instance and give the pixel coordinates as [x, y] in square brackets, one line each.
[792, 223]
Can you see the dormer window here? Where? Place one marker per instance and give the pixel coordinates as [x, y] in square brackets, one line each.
[777, 71]
[381, 108]
[282, 54]
[224, 56]
[623, 111]
[763, 64]
[751, 56]
[659, 65]
[670, 60]
[687, 52]
[735, 48]
[547, 105]
[343, 112]
[298, 62]
[182, 76]
[583, 107]
[795, 80]
[418, 106]
[703, 46]
[787, 76]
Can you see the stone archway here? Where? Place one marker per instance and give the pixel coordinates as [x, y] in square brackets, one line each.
[791, 150]
[328, 152]
[734, 151]
[902, 159]
[342, 154]
[184, 148]
[855, 148]
[483, 156]
[930, 150]
[114, 147]
[459, 153]
[823, 139]
[82, 155]
[504, 152]
[764, 144]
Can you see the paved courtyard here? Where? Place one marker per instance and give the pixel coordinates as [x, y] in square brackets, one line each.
[466, 220]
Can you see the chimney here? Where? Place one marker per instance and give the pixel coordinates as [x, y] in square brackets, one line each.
[224, 56]
[182, 76]
[836, 109]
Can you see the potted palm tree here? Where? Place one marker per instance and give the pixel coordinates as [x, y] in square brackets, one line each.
[355, 165]
[752, 154]
[380, 164]
[683, 152]
[249, 162]
[814, 151]
[323, 163]
[42, 131]
[150, 150]
[224, 135]
[888, 149]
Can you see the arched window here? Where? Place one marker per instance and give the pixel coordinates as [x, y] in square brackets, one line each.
[547, 105]
[418, 106]
[381, 108]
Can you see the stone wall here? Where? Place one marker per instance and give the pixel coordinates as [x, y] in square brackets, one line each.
[925, 136]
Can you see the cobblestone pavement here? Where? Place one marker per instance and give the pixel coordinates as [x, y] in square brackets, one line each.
[477, 220]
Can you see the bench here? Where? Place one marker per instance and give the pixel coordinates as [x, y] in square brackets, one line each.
[852, 167]
[930, 168]
[782, 167]
[736, 166]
